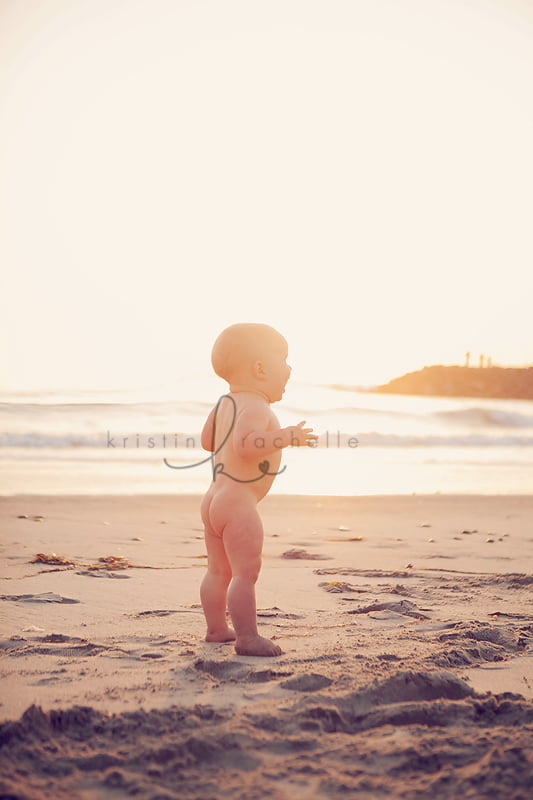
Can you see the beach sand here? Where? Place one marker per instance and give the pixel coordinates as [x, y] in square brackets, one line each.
[407, 672]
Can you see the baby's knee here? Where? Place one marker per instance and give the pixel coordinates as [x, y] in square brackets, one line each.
[250, 571]
[220, 571]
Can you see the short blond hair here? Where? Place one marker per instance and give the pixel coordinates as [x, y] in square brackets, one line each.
[241, 343]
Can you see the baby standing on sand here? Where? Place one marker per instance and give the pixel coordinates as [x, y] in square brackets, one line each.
[245, 435]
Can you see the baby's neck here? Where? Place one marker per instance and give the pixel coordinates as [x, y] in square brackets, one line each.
[236, 389]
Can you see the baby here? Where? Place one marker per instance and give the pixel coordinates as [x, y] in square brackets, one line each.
[246, 440]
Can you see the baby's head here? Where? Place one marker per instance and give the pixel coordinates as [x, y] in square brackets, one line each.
[243, 352]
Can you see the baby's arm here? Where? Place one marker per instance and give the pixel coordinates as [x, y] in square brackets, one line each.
[207, 439]
[251, 434]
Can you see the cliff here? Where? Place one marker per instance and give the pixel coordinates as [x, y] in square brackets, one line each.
[498, 382]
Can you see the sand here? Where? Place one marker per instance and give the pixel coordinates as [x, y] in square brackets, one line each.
[407, 672]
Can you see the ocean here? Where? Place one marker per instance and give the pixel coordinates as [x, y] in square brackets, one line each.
[116, 442]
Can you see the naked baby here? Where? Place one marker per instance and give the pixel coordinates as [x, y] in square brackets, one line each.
[245, 437]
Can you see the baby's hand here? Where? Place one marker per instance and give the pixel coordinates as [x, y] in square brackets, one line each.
[301, 435]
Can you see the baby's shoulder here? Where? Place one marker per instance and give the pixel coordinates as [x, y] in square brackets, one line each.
[252, 407]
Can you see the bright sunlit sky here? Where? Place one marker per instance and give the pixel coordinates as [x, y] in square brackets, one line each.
[357, 173]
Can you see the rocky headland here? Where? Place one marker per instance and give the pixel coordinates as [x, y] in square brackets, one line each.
[454, 381]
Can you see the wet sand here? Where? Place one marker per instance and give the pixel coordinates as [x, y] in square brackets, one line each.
[407, 672]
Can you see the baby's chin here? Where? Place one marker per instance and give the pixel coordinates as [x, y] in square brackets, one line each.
[275, 398]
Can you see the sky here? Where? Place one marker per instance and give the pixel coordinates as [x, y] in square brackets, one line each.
[357, 173]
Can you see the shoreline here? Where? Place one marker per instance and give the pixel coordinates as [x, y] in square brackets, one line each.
[272, 496]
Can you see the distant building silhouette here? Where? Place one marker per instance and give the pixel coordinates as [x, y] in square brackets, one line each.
[481, 361]
[467, 358]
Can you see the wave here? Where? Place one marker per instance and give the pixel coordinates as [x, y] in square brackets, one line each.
[52, 440]
[355, 410]
[345, 387]
[108, 440]
[464, 417]
[469, 440]
[183, 406]
[501, 415]
[188, 441]
[485, 417]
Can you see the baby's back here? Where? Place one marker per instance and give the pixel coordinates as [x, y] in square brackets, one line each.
[237, 419]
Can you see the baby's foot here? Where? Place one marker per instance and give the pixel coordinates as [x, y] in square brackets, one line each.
[257, 646]
[223, 635]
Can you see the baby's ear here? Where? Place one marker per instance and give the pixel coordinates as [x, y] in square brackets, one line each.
[259, 368]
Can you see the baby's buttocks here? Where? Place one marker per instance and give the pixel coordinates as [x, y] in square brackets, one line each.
[225, 504]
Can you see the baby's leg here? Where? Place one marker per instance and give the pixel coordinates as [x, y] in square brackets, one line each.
[214, 588]
[243, 542]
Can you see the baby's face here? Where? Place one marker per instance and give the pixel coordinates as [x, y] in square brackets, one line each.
[277, 374]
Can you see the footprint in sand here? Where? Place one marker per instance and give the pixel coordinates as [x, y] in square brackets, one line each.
[232, 671]
[311, 682]
[298, 552]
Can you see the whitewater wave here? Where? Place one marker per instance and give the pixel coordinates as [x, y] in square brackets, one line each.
[468, 440]
[52, 440]
[337, 439]
[375, 420]
[489, 417]
[465, 417]
[184, 406]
